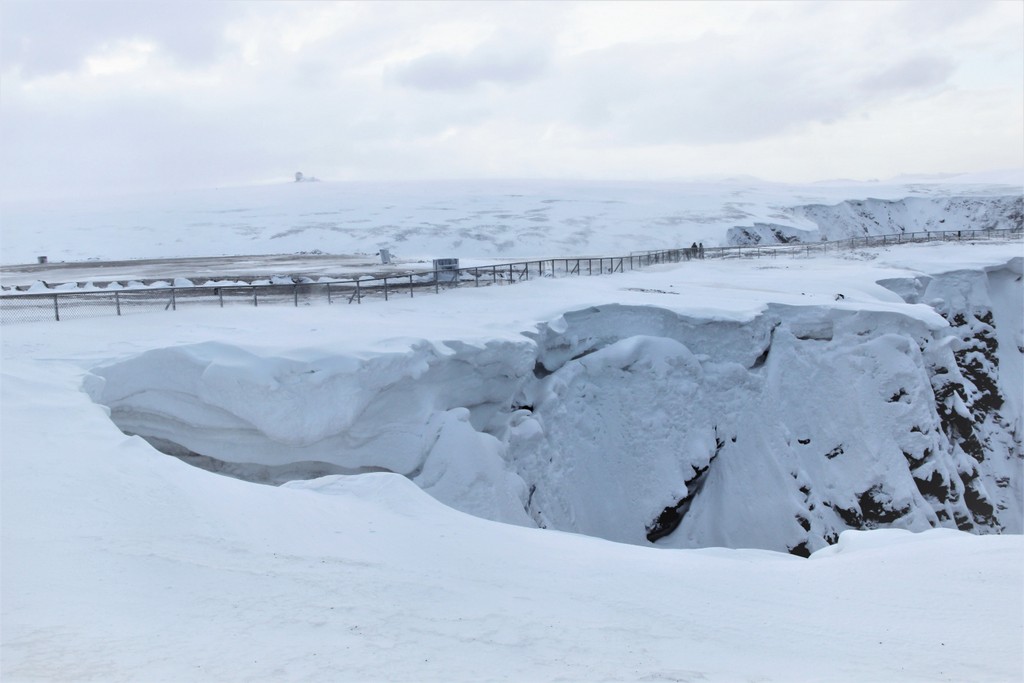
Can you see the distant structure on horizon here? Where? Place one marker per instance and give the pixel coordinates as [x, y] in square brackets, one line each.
[299, 178]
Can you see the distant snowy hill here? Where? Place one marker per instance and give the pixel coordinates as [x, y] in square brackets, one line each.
[480, 219]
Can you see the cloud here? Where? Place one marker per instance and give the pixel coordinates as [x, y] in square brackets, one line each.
[498, 61]
[913, 74]
[708, 91]
[44, 37]
[106, 95]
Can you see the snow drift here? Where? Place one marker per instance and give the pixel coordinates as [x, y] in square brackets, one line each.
[639, 424]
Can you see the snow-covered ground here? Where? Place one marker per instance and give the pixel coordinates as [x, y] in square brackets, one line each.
[714, 389]
[489, 219]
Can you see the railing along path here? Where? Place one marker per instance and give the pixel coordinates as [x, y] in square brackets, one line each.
[65, 304]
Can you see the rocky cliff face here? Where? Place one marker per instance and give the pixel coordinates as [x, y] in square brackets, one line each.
[783, 432]
[976, 378]
[641, 425]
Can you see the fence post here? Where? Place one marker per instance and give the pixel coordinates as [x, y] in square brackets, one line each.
[220, 295]
[436, 286]
[295, 294]
[117, 302]
[56, 308]
[410, 286]
[329, 293]
[174, 300]
[526, 270]
[255, 299]
[385, 289]
[510, 273]
[359, 294]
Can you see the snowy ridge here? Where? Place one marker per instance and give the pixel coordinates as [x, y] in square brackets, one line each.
[640, 424]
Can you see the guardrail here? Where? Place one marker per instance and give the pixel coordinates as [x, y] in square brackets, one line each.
[66, 304]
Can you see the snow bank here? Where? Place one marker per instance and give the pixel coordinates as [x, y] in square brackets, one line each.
[122, 564]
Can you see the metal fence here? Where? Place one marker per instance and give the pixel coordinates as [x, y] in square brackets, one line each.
[68, 304]
[825, 247]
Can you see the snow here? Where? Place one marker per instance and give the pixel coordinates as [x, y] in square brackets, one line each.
[121, 563]
[149, 569]
[469, 219]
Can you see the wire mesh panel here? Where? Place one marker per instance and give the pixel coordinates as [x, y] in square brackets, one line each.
[28, 308]
[142, 301]
[237, 295]
[192, 296]
[73, 306]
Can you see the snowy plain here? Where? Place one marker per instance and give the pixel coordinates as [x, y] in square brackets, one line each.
[121, 563]
[469, 219]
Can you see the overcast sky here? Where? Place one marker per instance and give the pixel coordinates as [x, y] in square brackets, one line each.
[118, 97]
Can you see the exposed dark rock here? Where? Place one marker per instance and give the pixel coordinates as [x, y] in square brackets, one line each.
[849, 516]
[672, 516]
[934, 486]
[800, 550]
[977, 503]
[875, 506]
[835, 452]
[963, 523]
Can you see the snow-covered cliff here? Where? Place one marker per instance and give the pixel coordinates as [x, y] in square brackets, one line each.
[640, 423]
[860, 218]
[782, 432]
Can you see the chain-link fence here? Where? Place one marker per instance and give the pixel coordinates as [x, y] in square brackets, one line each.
[70, 304]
